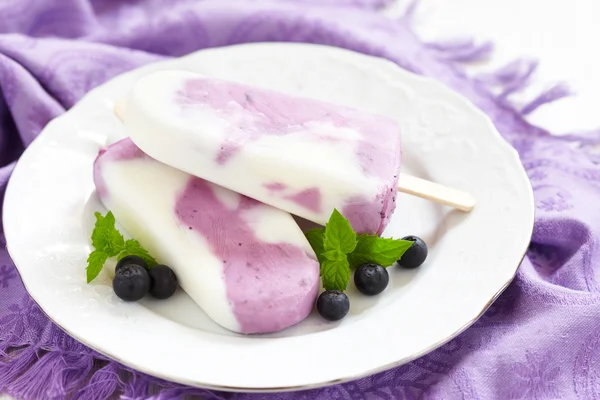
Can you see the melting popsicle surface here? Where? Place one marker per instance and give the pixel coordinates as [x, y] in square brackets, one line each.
[248, 265]
[300, 155]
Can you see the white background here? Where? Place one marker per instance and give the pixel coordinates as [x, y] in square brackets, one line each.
[564, 35]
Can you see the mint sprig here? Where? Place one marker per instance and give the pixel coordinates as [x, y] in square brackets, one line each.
[333, 244]
[339, 234]
[339, 250]
[134, 248]
[109, 242]
[335, 274]
[378, 250]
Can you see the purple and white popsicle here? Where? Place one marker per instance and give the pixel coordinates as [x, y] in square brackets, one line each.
[246, 264]
[300, 155]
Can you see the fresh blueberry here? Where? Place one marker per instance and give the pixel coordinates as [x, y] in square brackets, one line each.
[415, 255]
[131, 260]
[333, 305]
[163, 282]
[131, 282]
[371, 279]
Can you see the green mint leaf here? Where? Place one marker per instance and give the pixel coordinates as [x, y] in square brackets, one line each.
[99, 233]
[108, 242]
[105, 236]
[134, 248]
[331, 245]
[95, 262]
[339, 235]
[335, 274]
[315, 238]
[333, 255]
[374, 249]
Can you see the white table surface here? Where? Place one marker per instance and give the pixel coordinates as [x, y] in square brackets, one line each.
[564, 35]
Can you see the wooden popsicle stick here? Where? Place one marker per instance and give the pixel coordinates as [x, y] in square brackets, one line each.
[406, 184]
[119, 108]
[435, 192]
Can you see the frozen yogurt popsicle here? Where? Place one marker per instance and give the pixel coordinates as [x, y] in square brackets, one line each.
[246, 264]
[300, 155]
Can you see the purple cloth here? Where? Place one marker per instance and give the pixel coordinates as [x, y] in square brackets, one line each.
[540, 340]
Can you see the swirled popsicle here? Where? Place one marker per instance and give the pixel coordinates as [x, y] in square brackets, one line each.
[246, 264]
[300, 155]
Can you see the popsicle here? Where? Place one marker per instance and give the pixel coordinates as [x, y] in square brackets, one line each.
[246, 264]
[300, 155]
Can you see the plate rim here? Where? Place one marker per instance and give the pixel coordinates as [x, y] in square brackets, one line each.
[272, 389]
[269, 389]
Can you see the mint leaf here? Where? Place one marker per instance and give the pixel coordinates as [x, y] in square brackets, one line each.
[333, 255]
[95, 261]
[108, 242]
[374, 249]
[134, 248]
[339, 250]
[99, 234]
[339, 235]
[315, 238]
[105, 236]
[335, 274]
[339, 239]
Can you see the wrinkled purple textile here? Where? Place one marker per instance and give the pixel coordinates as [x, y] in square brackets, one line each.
[540, 340]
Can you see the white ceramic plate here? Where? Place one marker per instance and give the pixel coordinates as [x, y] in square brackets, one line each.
[50, 200]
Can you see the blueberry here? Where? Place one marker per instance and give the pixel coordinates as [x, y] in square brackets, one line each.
[415, 255]
[163, 282]
[131, 282]
[333, 305]
[371, 279]
[131, 260]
